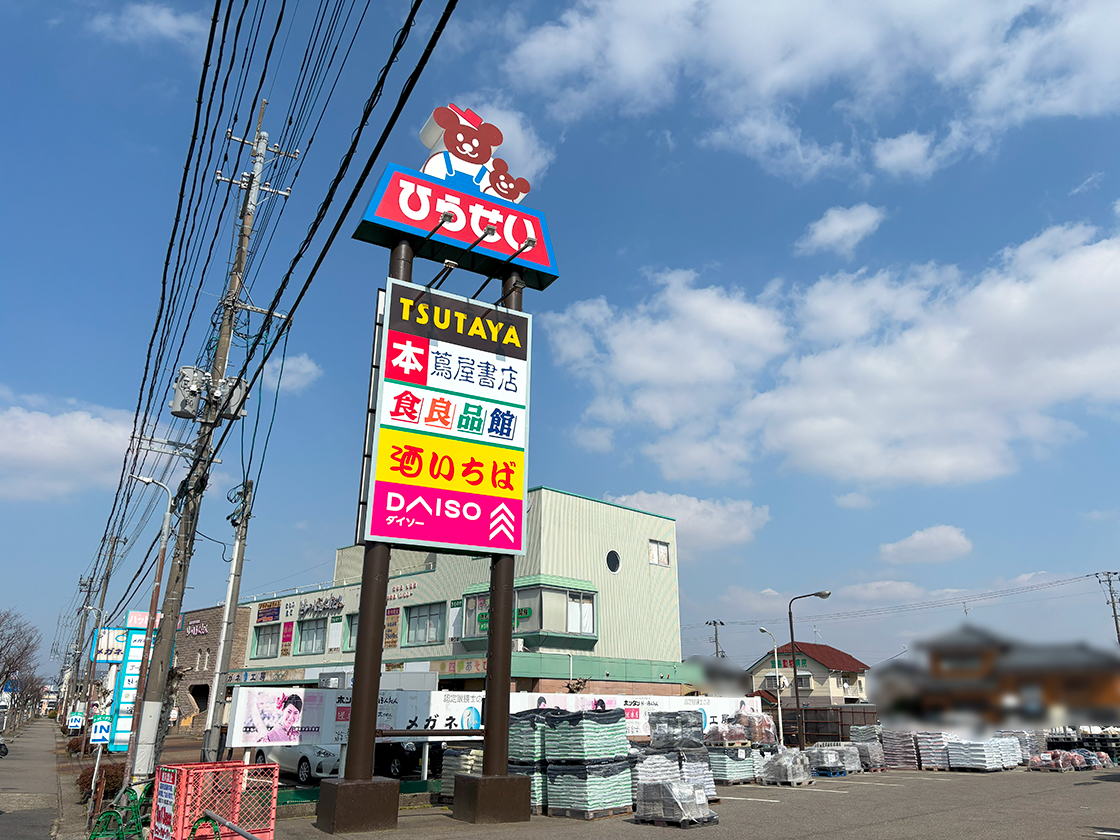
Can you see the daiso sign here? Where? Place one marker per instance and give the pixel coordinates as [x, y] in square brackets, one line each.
[465, 197]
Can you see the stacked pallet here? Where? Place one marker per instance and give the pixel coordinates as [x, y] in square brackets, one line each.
[871, 754]
[791, 768]
[585, 736]
[1026, 739]
[673, 730]
[848, 754]
[732, 764]
[649, 767]
[678, 803]
[458, 762]
[866, 734]
[526, 736]
[899, 749]
[933, 750]
[537, 771]
[975, 755]
[588, 764]
[588, 786]
[696, 770]
[1010, 751]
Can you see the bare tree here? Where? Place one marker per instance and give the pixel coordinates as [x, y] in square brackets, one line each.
[19, 654]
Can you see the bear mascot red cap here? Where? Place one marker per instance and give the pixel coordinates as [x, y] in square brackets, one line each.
[473, 144]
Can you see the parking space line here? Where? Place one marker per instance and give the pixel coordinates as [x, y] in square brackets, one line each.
[749, 799]
[817, 789]
[853, 782]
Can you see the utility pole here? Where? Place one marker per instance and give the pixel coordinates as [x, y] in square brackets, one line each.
[1112, 600]
[86, 585]
[715, 624]
[153, 715]
[215, 714]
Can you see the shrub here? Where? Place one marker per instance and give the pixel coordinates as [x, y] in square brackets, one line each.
[74, 745]
[114, 779]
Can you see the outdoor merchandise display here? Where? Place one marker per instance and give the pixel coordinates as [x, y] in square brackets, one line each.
[823, 759]
[866, 734]
[526, 736]
[458, 762]
[933, 750]
[680, 803]
[1057, 760]
[696, 769]
[723, 733]
[650, 766]
[790, 767]
[975, 755]
[871, 754]
[673, 730]
[536, 771]
[588, 787]
[732, 764]
[848, 754]
[899, 749]
[586, 736]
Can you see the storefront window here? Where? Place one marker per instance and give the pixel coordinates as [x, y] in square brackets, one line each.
[425, 624]
[313, 635]
[267, 641]
[581, 613]
[476, 615]
[351, 631]
[527, 615]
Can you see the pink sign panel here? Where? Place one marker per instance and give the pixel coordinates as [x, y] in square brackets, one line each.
[447, 516]
[286, 632]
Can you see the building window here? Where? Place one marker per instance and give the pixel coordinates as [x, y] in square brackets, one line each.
[313, 635]
[859, 685]
[527, 610]
[581, 613]
[206, 661]
[770, 683]
[658, 553]
[197, 661]
[804, 682]
[839, 682]
[613, 562]
[267, 641]
[476, 615]
[351, 631]
[425, 624]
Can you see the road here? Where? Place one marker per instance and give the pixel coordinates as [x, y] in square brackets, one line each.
[29, 802]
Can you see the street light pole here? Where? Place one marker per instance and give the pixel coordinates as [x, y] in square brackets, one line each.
[141, 679]
[824, 593]
[778, 685]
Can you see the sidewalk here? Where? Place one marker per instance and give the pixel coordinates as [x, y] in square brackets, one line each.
[29, 783]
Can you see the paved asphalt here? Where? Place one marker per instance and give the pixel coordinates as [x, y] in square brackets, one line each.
[896, 805]
[29, 784]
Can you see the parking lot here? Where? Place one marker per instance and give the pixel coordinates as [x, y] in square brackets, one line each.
[895, 805]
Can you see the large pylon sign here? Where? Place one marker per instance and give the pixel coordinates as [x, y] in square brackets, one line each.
[452, 424]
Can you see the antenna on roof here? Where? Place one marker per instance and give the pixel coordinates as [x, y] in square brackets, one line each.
[965, 604]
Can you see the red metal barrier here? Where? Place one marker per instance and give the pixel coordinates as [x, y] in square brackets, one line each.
[244, 794]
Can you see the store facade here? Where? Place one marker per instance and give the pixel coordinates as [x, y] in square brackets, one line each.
[596, 607]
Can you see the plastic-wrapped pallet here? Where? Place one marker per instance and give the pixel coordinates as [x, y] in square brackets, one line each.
[761, 728]
[790, 766]
[1052, 760]
[1010, 751]
[822, 758]
[725, 732]
[696, 769]
[650, 766]
[537, 778]
[975, 755]
[1025, 739]
[871, 754]
[588, 787]
[674, 730]
[847, 753]
[458, 762]
[866, 734]
[585, 736]
[933, 750]
[676, 802]
[731, 764]
[899, 749]
[526, 736]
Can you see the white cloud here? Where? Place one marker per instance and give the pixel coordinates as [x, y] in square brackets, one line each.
[894, 591]
[854, 501]
[1101, 515]
[48, 456]
[840, 229]
[702, 524]
[984, 67]
[522, 148]
[147, 23]
[1090, 183]
[299, 372]
[918, 375]
[938, 544]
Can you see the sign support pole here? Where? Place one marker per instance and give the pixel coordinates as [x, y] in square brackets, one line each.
[496, 796]
[359, 801]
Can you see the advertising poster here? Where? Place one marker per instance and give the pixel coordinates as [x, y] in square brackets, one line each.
[418, 710]
[452, 424]
[287, 716]
[392, 627]
[287, 631]
[110, 645]
[268, 611]
[163, 804]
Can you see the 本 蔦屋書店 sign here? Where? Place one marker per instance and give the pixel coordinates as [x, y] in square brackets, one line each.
[452, 424]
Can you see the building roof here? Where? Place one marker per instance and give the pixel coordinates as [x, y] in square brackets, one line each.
[1078, 656]
[965, 637]
[828, 656]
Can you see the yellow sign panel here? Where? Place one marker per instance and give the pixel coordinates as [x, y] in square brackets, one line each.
[444, 464]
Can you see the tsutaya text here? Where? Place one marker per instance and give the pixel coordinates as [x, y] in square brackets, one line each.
[452, 424]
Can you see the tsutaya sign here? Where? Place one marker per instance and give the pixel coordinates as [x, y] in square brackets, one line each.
[463, 178]
[452, 424]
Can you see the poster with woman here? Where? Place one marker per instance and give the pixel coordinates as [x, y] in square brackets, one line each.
[286, 716]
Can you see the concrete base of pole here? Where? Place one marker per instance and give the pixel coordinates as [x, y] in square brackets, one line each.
[348, 806]
[492, 799]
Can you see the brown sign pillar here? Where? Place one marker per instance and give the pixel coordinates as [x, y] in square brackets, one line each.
[361, 801]
[496, 796]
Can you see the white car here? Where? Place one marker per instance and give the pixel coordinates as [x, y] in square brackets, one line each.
[306, 761]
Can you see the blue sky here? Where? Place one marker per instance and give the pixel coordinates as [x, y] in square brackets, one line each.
[840, 290]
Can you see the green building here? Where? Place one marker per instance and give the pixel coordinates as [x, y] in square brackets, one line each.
[596, 600]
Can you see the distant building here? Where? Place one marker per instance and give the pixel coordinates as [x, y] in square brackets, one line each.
[825, 675]
[973, 670]
[196, 654]
[595, 596]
